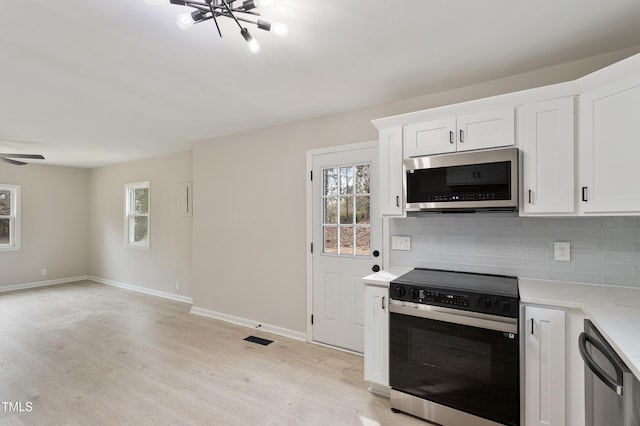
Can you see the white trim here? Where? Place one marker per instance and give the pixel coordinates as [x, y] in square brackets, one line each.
[310, 154]
[245, 322]
[36, 284]
[145, 290]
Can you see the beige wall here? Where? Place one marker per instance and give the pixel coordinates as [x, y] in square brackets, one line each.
[249, 245]
[169, 258]
[54, 224]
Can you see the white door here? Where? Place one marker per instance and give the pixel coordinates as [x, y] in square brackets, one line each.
[346, 243]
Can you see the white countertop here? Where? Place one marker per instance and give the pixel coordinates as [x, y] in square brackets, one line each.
[614, 310]
[383, 277]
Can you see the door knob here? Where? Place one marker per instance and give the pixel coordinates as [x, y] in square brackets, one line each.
[375, 268]
[376, 253]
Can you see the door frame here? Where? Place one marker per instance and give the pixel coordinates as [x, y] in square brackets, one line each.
[310, 154]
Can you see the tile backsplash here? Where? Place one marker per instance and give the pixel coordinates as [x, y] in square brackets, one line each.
[604, 250]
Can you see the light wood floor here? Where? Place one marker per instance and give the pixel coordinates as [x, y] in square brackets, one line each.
[90, 354]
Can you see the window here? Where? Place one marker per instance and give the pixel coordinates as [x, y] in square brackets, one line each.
[137, 214]
[9, 217]
[346, 223]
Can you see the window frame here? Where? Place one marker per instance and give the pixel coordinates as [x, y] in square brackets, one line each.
[14, 218]
[130, 215]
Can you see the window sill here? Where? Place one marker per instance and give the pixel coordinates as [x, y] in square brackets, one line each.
[12, 248]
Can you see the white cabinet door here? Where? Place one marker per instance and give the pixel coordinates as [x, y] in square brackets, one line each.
[489, 129]
[609, 148]
[544, 334]
[376, 336]
[390, 152]
[548, 157]
[432, 137]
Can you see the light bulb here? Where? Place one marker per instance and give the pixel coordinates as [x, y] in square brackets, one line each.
[253, 45]
[280, 29]
[184, 21]
[157, 1]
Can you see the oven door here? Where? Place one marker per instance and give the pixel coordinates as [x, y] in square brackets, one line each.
[463, 360]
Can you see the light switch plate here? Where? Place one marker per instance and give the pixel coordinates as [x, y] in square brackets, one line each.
[400, 242]
[562, 251]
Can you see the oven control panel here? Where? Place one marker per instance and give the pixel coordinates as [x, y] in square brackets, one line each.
[491, 304]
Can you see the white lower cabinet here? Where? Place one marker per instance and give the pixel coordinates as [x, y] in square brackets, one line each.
[544, 366]
[376, 337]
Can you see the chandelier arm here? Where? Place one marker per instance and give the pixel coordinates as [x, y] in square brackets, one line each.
[226, 5]
[215, 20]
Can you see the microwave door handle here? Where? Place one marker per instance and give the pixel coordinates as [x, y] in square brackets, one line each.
[616, 384]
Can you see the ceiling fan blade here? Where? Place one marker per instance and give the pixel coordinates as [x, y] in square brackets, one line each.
[29, 156]
[14, 162]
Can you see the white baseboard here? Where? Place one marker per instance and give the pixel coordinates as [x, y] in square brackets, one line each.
[36, 284]
[139, 289]
[273, 329]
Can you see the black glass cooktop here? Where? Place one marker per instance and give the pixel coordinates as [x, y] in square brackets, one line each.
[499, 285]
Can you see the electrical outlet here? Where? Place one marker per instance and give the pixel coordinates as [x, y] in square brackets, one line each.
[400, 242]
[562, 252]
[43, 272]
[177, 285]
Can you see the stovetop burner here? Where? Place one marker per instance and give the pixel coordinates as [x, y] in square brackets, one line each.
[491, 294]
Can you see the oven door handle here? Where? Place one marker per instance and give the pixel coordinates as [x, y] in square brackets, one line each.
[455, 316]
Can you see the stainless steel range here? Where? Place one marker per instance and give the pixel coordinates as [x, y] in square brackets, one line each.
[454, 351]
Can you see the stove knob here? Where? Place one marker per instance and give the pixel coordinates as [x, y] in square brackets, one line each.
[504, 305]
[484, 302]
[400, 291]
[415, 293]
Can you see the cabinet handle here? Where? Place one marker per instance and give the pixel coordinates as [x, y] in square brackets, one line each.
[383, 303]
[531, 325]
[451, 136]
[530, 196]
[584, 193]
[397, 201]
[461, 135]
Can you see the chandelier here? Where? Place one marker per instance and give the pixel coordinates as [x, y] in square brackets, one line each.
[214, 9]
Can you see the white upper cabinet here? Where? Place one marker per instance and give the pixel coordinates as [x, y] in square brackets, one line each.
[390, 151]
[547, 145]
[609, 151]
[490, 129]
[432, 137]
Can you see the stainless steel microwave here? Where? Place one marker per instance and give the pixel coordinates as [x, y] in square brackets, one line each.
[463, 181]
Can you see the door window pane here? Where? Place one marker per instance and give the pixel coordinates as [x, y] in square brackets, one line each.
[330, 181]
[346, 240]
[363, 210]
[331, 239]
[362, 179]
[331, 210]
[346, 210]
[363, 241]
[346, 180]
[346, 202]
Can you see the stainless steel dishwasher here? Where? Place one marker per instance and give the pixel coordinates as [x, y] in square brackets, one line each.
[612, 392]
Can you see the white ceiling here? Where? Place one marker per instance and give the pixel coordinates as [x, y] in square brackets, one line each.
[89, 83]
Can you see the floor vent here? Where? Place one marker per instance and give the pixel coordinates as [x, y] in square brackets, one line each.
[258, 340]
